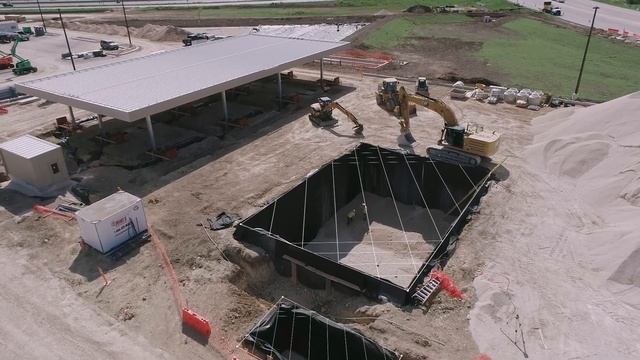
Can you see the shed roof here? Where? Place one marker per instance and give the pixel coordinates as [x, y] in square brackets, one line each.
[28, 146]
[108, 206]
[132, 89]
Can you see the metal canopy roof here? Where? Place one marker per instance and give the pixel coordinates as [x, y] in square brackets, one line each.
[132, 89]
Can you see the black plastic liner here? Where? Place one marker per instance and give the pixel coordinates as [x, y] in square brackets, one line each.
[414, 180]
[290, 331]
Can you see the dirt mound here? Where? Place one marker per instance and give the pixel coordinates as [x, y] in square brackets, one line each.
[594, 153]
[148, 31]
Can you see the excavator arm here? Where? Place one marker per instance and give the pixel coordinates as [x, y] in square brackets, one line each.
[432, 104]
[357, 126]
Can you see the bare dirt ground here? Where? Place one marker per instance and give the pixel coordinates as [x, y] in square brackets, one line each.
[241, 174]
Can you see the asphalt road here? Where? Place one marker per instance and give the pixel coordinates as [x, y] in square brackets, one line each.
[142, 3]
[581, 12]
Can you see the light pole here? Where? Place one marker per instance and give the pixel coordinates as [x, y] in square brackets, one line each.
[67, 40]
[586, 48]
[42, 17]
[126, 23]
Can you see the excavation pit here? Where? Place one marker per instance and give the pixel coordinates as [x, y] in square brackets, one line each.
[407, 212]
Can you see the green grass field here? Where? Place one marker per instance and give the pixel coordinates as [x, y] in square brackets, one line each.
[396, 31]
[621, 3]
[547, 57]
[530, 53]
[341, 8]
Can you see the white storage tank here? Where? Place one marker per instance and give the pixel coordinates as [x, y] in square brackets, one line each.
[36, 167]
[112, 221]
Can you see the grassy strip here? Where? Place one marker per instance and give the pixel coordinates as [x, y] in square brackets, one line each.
[548, 58]
[64, 10]
[403, 4]
[621, 3]
[396, 31]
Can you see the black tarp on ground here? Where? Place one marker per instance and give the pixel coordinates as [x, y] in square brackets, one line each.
[290, 331]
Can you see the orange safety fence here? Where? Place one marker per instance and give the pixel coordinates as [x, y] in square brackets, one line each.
[47, 211]
[447, 284]
[364, 54]
[482, 357]
[189, 317]
[181, 302]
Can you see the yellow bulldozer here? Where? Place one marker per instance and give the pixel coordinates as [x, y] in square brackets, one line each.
[463, 145]
[388, 98]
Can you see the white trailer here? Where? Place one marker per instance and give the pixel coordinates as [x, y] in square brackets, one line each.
[110, 222]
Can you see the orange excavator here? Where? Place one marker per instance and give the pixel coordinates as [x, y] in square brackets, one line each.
[321, 114]
[463, 145]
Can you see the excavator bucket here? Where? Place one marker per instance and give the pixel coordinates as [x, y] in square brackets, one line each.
[409, 137]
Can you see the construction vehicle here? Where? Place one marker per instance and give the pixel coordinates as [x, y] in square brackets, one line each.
[422, 87]
[388, 98]
[109, 45]
[321, 114]
[6, 61]
[22, 66]
[196, 38]
[548, 8]
[7, 4]
[27, 30]
[458, 144]
[39, 30]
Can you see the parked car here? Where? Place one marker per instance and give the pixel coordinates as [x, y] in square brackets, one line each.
[109, 45]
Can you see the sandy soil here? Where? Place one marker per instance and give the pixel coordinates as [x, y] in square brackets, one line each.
[241, 174]
[564, 265]
[379, 243]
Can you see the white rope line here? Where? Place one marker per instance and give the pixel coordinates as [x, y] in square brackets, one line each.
[376, 242]
[293, 327]
[309, 342]
[304, 210]
[335, 211]
[275, 329]
[364, 346]
[346, 348]
[395, 205]
[273, 214]
[446, 187]
[423, 199]
[327, 323]
[373, 247]
[468, 178]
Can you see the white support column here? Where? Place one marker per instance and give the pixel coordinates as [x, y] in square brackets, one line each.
[225, 110]
[73, 118]
[279, 90]
[100, 124]
[152, 137]
[322, 73]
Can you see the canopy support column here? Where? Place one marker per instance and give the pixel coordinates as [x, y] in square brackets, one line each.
[322, 73]
[100, 124]
[279, 91]
[72, 117]
[152, 137]
[225, 110]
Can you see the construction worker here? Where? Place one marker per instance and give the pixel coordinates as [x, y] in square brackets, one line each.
[364, 211]
[350, 215]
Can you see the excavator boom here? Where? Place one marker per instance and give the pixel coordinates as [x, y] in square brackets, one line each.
[357, 126]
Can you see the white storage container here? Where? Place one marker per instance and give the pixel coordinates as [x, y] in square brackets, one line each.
[36, 167]
[112, 221]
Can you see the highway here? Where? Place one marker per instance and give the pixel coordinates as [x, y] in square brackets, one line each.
[581, 12]
[32, 4]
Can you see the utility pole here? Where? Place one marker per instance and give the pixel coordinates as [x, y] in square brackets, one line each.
[586, 48]
[73, 63]
[126, 23]
[42, 17]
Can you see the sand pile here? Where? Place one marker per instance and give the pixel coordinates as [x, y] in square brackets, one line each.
[595, 153]
[149, 31]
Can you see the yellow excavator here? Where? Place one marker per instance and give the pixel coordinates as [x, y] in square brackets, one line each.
[321, 114]
[458, 144]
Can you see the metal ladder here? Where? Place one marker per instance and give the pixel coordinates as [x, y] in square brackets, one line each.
[421, 296]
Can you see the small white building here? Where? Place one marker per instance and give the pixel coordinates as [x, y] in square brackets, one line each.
[9, 27]
[112, 221]
[36, 167]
